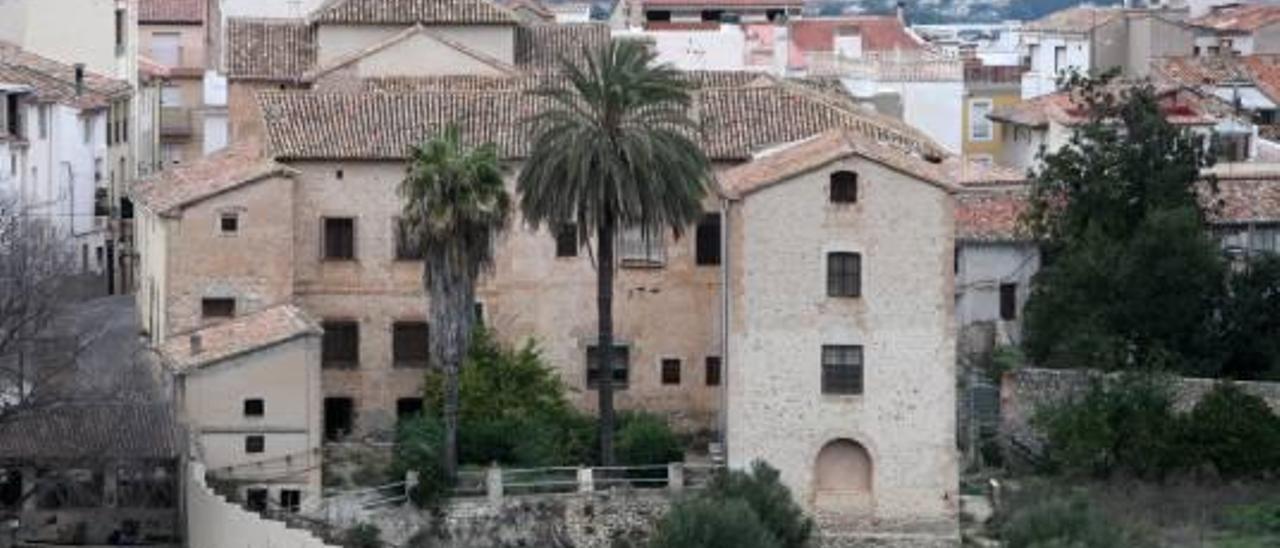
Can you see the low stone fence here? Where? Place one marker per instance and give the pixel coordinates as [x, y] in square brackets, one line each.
[213, 522]
[1024, 391]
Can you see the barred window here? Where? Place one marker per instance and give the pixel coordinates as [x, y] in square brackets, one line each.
[254, 444]
[841, 369]
[713, 370]
[638, 247]
[340, 347]
[671, 371]
[566, 240]
[410, 344]
[621, 363]
[340, 239]
[844, 274]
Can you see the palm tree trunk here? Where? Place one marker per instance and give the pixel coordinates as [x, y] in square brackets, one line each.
[451, 298]
[604, 346]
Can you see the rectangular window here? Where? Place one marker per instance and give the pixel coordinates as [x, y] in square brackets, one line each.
[407, 408]
[171, 97]
[410, 344]
[708, 240]
[713, 370]
[229, 223]
[290, 500]
[255, 499]
[841, 369]
[339, 239]
[122, 26]
[670, 371]
[980, 127]
[638, 247]
[567, 240]
[255, 444]
[254, 407]
[844, 275]
[42, 120]
[405, 250]
[621, 361]
[340, 347]
[1059, 59]
[166, 48]
[339, 415]
[844, 187]
[87, 128]
[219, 307]
[1008, 301]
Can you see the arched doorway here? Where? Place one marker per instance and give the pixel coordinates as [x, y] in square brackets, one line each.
[842, 477]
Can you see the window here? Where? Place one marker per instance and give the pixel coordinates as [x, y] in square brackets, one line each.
[171, 154]
[290, 500]
[405, 250]
[229, 223]
[255, 499]
[340, 347]
[1059, 59]
[844, 187]
[567, 240]
[171, 96]
[621, 361]
[217, 307]
[122, 24]
[1008, 301]
[844, 275]
[254, 444]
[713, 370]
[640, 247]
[708, 240]
[338, 417]
[339, 174]
[980, 127]
[841, 369]
[254, 407]
[670, 371]
[339, 239]
[712, 15]
[86, 127]
[42, 119]
[410, 344]
[408, 408]
[1033, 51]
[166, 48]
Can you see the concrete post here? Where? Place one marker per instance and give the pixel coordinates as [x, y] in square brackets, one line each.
[586, 481]
[493, 484]
[675, 477]
[410, 483]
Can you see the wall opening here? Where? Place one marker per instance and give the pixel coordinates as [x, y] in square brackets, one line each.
[842, 476]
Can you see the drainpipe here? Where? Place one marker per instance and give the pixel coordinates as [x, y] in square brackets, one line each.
[725, 263]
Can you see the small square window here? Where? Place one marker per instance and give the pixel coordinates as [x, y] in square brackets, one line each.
[211, 308]
[255, 444]
[844, 275]
[340, 346]
[670, 371]
[844, 187]
[255, 499]
[229, 223]
[713, 370]
[254, 407]
[567, 240]
[621, 359]
[410, 344]
[842, 369]
[290, 500]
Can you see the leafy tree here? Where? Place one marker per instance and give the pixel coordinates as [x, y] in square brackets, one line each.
[614, 151]
[1250, 321]
[1236, 432]
[419, 444]
[455, 205]
[769, 499]
[1132, 278]
[707, 523]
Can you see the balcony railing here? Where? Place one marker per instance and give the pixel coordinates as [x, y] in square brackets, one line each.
[176, 122]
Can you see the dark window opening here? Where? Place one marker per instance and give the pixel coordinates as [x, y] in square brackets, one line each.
[712, 16]
[122, 25]
[126, 205]
[841, 369]
[567, 240]
[671, 371]
[217, 308]
[254, 407]
[229, 223]
[1008, 301]
[410, 344]
[407, 408]
[340, 347]
[10, 488]
[844, 187]
[844, 275]
[340, 239]
[405, 250]
[479, 314]
[339, 174]
[657, 15]
[775, 15]
[621, 361]
[255, 499]
[290, 500]
[708, 240]
[338, 418]
[255, 444]
[713, 370]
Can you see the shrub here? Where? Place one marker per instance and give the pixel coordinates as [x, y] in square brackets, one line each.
[644, 439]
[1255, 519]
[419, 442]
[706, 523]
[363, 535]
[768, 498]
[1043, 519]
[1236, 432]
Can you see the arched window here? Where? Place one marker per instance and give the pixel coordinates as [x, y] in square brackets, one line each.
[842, 475]
[844, 187]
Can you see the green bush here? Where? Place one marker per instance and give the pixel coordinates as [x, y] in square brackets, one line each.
[419, 442]
[768, 498]
[1256, 519]
[363, 535]
[706, 523]
[1236, 432]
[1041, 519]
[646, 439]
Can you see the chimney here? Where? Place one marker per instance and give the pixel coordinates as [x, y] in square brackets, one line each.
[902, 12]
[197, 345]
[79, 79]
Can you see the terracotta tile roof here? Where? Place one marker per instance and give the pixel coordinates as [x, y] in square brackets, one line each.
[1075, 20]
[54, 81]
[166, 192]
[72, 432]
[1246, 200]
[1265, 70]
[239, 336]
[171, 11]
[1181, 107]
[710, 4]
[269, 49]
[881, 33]
[991, 215]
[407, 12]
[1240, 18]
[539, 47]
[407, 33]
[781, 164]
[968, 173]
[1200, 70]
[736, 122]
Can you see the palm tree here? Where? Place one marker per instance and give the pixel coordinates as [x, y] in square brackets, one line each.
[455, 206]
[614, 150]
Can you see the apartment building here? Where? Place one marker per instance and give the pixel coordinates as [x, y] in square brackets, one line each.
[1237, 29]
[986, 88]
[176, 35]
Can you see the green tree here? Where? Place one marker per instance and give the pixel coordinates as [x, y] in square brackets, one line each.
[613, 151]
[769, 499]
[1131, 278]
[455, 205]
[1250, 321]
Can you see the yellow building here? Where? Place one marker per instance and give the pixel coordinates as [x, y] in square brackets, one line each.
[986, 88]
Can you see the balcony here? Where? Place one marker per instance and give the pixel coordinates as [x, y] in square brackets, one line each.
[176, 122]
